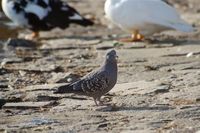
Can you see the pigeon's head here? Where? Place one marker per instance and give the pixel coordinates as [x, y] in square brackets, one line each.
[111, 56]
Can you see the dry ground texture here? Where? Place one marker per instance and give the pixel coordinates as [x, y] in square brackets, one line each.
[158, 86]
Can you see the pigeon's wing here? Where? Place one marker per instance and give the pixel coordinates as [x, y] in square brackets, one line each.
[47, 14]
[91, 83]
[64, 15]
[39, 8]
[34, 11]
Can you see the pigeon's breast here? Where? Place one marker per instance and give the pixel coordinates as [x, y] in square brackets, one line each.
[112, 71]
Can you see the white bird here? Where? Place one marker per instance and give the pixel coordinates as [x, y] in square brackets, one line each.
[144, 17]
[42, 15]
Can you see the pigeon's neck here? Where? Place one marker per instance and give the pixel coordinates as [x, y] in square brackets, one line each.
[110, 65]
[111, 69]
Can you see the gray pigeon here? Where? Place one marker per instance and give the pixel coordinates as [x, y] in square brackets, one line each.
[96, 83]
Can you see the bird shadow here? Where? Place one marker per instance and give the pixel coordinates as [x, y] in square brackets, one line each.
[72, 37]
[175, 42]
[115, 108]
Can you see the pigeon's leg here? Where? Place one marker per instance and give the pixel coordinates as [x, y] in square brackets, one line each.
[34, 35]
[135, 37]
[95, 101]
[100, 102]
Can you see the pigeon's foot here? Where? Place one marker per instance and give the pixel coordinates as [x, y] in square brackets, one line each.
[135, 37]
[33, 36]
[95, 102]
[98, 102]
[101, 103]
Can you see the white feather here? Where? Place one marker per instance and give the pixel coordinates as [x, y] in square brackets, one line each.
[76, 17]
[17, 18]
[37, 10]
[148, 16]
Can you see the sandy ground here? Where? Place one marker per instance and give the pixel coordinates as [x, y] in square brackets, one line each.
[158, 86]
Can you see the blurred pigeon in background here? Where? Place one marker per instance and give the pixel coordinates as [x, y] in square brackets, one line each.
[144, 17]
[42, 15]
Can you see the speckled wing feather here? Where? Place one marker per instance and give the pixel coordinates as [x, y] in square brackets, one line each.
[93, 83]
[88, 85]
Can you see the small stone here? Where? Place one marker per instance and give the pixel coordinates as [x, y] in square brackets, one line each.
[22, 73]
[69, 80]
[2, 102]
[13, 43]
[190, 54]
[198, 99]
[3, 85]
[104, 125]
[162, 89]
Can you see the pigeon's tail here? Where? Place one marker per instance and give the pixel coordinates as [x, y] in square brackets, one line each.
[83, 22]
[64, 89]
[62, 15]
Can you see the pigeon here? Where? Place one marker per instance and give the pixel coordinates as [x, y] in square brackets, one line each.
[96, 83]
[144, 17]
[42, 15]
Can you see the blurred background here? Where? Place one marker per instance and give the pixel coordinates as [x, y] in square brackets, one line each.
[189, 9]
